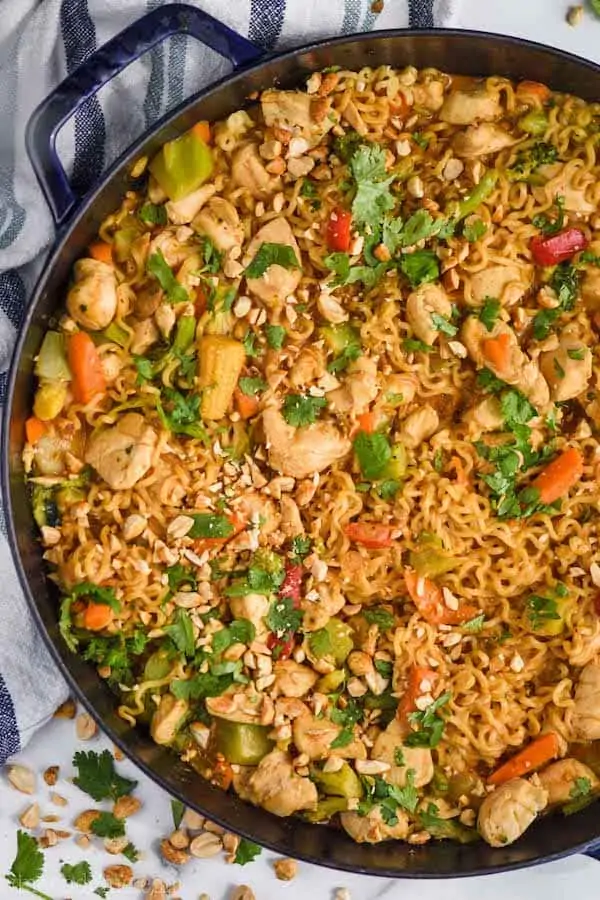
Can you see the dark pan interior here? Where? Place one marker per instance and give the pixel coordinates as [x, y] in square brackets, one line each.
[458, 52]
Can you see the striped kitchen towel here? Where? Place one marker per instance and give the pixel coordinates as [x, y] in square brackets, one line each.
[40, 42]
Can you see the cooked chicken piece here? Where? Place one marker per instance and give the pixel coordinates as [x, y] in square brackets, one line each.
[275, 786]
[122, 453]
[352, 116]
[301, 452]
[482, 139]
[559, 779]
[253, 607]
[419, 426]
[277, 283]
[359, 387]
[520, 371]
[428, 96]
[403, 385]
[50, 453]
[371, 829]
[220, 221]
[309, 366]
[173, 250]
[509, 811]
[181, 212]
[147, 300]
[426, 301]
[586, 716]
[465, 107]
[567, 369]
[248, 170]
[485, 416]
[145, 333]
[256, 508]
[508, 283]
[590, 289]
[165, 319]
[560, 184]
[416, 758]
[167, 718]
[92, 301]
[293, 679]
[246, 706]
[291, 111]
[314, 736]
[317, 615]
[187, 275]
[291, 520]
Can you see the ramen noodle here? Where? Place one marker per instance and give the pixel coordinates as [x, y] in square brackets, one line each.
[314, 453]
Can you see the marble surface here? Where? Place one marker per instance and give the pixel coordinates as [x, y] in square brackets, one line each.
[542, 20]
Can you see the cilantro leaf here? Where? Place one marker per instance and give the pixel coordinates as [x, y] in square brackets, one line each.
[421, 140]
[177, 811]
[441, 324]
[201, 686]
[80, 873]
[489, 312]
[581, 794]
[116, 652]
[28, 864]
[565, 283]
[473, 229]
[275, 336]
[108, 826]
[407, 797]
[283, 618]
[474, 625]
[445, 829]
[490, 382]
[179, 575]
[98, 777]
[269, 254]
[430, 724]
[420, 227]
[97, 593]
[301, 547]
[302, 409]
[346, 274]
[547, 225]
[388, 489]
[543, 609]
[413, 345]
[420, 267]
[259, 579]
[246, 852]
[373, 197]
[153, 214]
[144, 368]
[252, 386]
[210, 525]
[346, 145]
[373, 452]
[240, 631]
[375, 615]
[158, 266]
[250, 345]
[213, 258]
[181, 632]
[131, 852]
[345, 737]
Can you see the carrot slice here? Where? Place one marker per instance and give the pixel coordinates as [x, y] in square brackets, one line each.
[560, 475]
[497, 351]
[97, 616]
[202, 130]
[533, 90]
[202, 544]
[101, 251]
[428, 597]
[457, 464]
[245, 405]
[86, 367]
[532, 757]
[34, 429]
[370, 534]
[367, 422]
[417, 676]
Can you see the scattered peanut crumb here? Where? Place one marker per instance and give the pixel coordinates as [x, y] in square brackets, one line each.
[85, 727]
[58, 799]
[242, 892]
[285, 869]
[51, 775]
[31, 817]
[126, 806]
[575, 15]
[21, 778]
[66, 710]
[118, 876]
[342, 894]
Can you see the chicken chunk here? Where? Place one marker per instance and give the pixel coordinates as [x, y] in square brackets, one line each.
[277, 283]
[485, 416]
[417, 759]
[253, 607]
[371, 829]
[567, 369]
[219, 220]
[292, 679]
[590, 283]
[429, 95]
[314, 736]
[352, 116]
[425, 302]
[466, 107]
[173, 249]
[317, 614]
[419, 426]
[292, 111]
[122, 454]
[508, 283]
[168, 718]
[246, 706]
[481, 140]
[509, 811]
[248, 170]
[302, 452]
[276, 787]
[308, 367]
[404, 386]
[360, 387]
[92, 301]
[145, 333]
[561, 183]
[181, 212]
[519, 371]
[559, 779]
[586, 715]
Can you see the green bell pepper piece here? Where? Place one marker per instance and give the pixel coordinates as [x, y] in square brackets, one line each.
[241, 743]
[51, 363]
[182, 165]
[185, 333]
[327, 808]
[331, 682]
[343, 783]
[334, 641]
[339, 337]
[113, 333]
[158, 666]
[398, 464]
[430, 563]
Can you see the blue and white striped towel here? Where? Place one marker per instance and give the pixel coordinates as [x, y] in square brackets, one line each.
[40, 42]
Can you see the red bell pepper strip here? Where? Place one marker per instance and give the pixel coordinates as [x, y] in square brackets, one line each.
[338, 229]
[281, 647]
[369, 534]
[292, 583]
[556, 248]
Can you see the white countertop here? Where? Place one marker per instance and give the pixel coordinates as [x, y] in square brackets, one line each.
[541, 20]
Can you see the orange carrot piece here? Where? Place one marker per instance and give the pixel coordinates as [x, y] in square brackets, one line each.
[202, 131]
[533, 90]
[418, 675]
[538, 753]
[560, 475]
[372, 535]
[245, 405]
[86, 367]
[497, 351]
[97, 616]
[367, 422]
[202, 544]
[457, 464]
[101, 251]
[34, 429]
[428, 597]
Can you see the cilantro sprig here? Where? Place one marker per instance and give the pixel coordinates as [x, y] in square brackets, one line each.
[27, 866]
[430, 725]
[98, 777]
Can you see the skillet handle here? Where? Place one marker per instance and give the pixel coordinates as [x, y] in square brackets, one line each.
[99, 68]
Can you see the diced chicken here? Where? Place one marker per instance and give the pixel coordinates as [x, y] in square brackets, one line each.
[187, 275]
[359, 387]
[404, 386]
[426, 301]
[292, 111]
[509, 811]
[122, 453]
[352, 116]
[181, 212]
[520, 371]
[485, 416]
[276, 787]
[277, 283]
[419, 426]
[168, 718]
[92, 301]
[567, 369]
[302, 452]
[219, 220]
[253, 607]
[255, 507]
[429, 95]
[371, 829]
[482, 139]
[465, 107]
[590, 289]
[248, 170]
[314, 736]
[292, 679]
[173, 250]
[145, 333]
[507, 283]
[309, 366]
[147, 300]
[562, 183]
[50, 453]
[291, 520]
[245, 706]
[586, 715]
[417, 759]
[559, 779]
[165, 319]
[317, 614]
